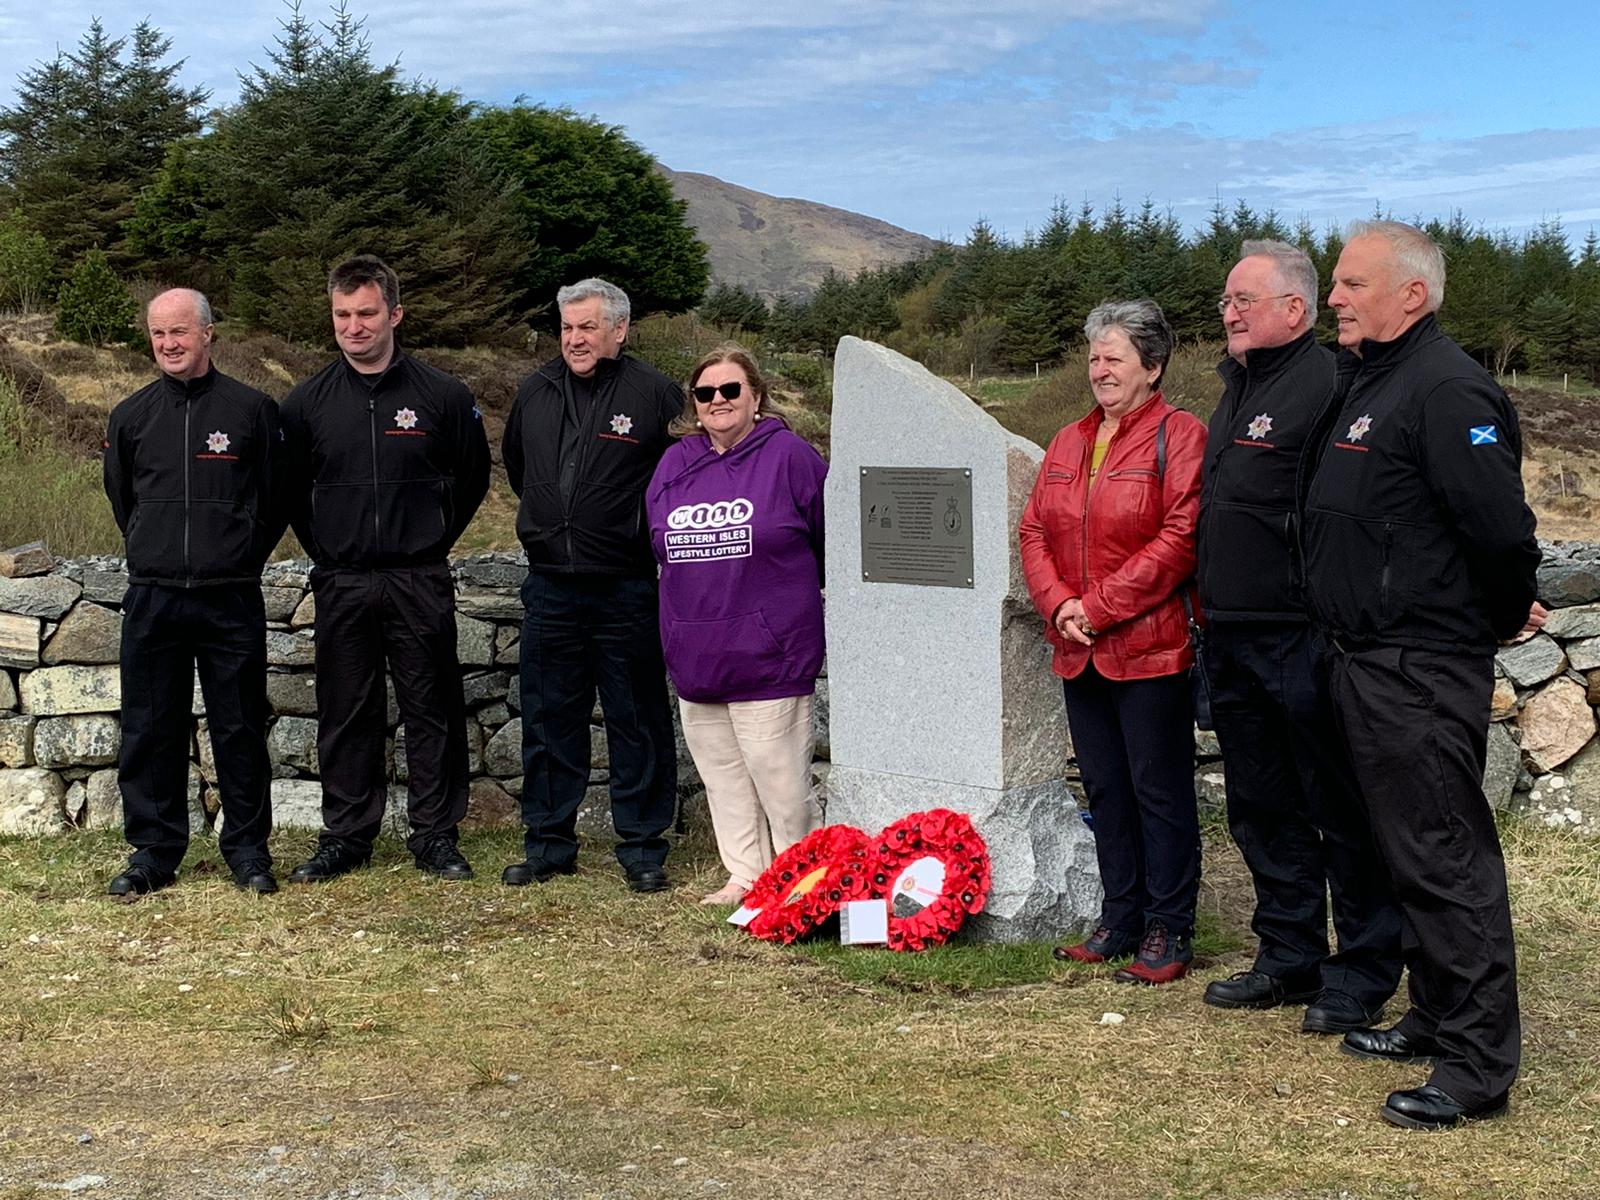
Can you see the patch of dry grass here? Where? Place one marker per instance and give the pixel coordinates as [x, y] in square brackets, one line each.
[406, 1036]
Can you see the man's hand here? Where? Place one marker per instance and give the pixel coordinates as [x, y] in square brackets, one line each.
[1537, 615]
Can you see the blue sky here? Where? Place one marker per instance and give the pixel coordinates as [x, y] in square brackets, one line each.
[931, 114]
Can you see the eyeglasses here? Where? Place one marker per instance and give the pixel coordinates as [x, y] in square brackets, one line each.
[1241, 304]
[706, 394]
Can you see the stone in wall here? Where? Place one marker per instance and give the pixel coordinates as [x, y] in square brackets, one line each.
[1579, 621]
[47, 596]
[60, 691]
[502, 756]
[1502, 767]
[474, 642]
[82, 741]
[1584, 655]
[16, 740]
[1210, 790]
[104, 586]
[1556, 723]
[8, 691]
[1565, 579]
[280, 603]
[22, 561]
[488, 605]
[290, 649]
[296, 804]
[292, 694]
[89, 633]
[103, 806]
[31, 802]
[19, 640]
[1503, 701]
[1531, 662]
[292, 742]
[490, 806]
[485, 689]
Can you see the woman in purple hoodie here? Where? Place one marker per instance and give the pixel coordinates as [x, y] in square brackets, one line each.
[735, 513]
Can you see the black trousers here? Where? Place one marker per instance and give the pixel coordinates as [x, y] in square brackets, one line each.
[167, 635]
[1416, 724]
[583, 634]
[1135, 745]
[404, 616]
[1297, 816]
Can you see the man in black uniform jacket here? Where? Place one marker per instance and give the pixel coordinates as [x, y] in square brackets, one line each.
[583, 439]
[1293, 805]
[191, 463]
[1420, 556]
[391, 464]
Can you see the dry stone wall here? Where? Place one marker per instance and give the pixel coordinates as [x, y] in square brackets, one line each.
[60, 697]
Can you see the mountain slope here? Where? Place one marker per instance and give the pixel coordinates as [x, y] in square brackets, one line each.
[777, 246]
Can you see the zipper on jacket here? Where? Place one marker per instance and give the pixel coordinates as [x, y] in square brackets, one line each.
[1383, 580]
[372, 431]
[188, 503]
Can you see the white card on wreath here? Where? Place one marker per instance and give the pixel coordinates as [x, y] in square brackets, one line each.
[864, 923]
[743, 916]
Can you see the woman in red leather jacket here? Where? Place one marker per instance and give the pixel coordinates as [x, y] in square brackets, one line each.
[1108, 548]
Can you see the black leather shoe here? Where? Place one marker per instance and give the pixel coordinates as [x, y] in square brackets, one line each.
[535, 870]
[1428, 1107]
[1339, 1012]
[442, 857]
[647, 878]
[1389, 1045]
[139, 880]
[1257, 989]
[331, 860]
[255, 876]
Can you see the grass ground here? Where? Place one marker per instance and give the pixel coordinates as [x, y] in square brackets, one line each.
[389, 1035]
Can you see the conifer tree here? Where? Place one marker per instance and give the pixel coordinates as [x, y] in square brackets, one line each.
[93, 306]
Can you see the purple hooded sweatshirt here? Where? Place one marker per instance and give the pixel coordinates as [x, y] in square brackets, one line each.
[739, 539]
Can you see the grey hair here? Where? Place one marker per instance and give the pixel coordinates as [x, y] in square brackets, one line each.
[614, 304]
[1143, 322]
[1294, 267]
[1416, 255]
[202, 306]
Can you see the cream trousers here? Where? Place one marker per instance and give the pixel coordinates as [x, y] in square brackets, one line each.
[754, 757]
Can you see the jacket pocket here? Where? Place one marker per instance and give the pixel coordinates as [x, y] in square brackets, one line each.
[1246, 561]
[412, 519]
[720, 660]
[342, 523]
[222, 540]
[1355, 571]
[155, 539]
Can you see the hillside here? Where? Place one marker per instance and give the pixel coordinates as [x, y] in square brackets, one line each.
[775, 245]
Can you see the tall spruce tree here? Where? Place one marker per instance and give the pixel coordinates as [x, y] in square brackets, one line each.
[327, 155]
[87, 133]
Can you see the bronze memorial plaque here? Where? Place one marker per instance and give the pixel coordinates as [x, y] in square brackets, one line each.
[916, 526]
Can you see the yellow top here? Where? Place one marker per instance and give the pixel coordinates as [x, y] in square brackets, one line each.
[1097, 459]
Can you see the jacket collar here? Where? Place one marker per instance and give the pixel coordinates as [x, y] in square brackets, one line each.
[179, 390]
[375, 381]
[559, 373]
[1380, 356]
[1147, 413]
[1265, 362]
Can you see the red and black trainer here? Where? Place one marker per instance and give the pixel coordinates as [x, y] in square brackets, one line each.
[1099, 946]
[1161, 958]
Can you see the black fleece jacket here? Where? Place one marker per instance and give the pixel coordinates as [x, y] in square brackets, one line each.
[1249, 563]
[1416, 530]
[194, 471]
[596, 525]
[388, 469]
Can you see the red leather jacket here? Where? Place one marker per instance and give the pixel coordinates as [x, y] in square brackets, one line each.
[1125, 548]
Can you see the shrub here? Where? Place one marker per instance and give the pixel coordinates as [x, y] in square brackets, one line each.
[94, 306]
[26, 265]
[49, 494]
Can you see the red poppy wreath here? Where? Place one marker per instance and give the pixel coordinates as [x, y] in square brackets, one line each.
[806, 884]
[932, 868]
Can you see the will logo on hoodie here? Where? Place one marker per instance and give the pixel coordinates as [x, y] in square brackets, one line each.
[707, 532]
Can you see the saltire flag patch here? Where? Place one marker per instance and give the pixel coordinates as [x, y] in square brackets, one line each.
[1483, 435]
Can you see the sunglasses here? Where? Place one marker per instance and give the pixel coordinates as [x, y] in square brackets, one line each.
[706, 393]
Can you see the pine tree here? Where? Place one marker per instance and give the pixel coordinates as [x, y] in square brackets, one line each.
[26, 264]
[93, 306]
